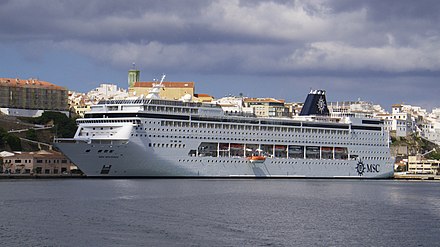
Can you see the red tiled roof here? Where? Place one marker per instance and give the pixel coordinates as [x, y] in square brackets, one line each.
[166, 84]
[30, 83]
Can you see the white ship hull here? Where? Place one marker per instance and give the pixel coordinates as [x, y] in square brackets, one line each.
[135, 160]
[157, 138]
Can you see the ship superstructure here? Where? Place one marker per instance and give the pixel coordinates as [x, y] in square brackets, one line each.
[153, 137]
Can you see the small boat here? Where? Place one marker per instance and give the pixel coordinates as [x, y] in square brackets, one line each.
[256, 159]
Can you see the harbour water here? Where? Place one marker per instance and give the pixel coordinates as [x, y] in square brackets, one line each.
[192, 212]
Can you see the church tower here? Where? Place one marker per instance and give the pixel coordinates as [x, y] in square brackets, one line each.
[133, 75]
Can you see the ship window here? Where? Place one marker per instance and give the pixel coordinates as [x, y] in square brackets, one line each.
[88, 150]
[99, 151]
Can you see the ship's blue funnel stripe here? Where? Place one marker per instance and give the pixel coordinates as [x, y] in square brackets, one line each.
[315, 104]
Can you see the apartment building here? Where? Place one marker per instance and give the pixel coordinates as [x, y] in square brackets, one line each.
[419, 165]
[31, 97]
[267, 107]
[41, 162]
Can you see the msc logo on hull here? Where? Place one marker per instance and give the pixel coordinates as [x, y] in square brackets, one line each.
[362, 168]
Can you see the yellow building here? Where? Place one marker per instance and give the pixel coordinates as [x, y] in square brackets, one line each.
[81, 109]
[79, 103]
[171, 90]
[267, 107]
[201, 97]
[419, 165]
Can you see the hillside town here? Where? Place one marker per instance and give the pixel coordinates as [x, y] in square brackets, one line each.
[414, 132]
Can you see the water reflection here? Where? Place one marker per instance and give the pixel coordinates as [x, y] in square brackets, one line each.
[170, 212]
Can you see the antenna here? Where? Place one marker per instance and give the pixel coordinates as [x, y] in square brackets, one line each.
[163, 78]
[154, 92]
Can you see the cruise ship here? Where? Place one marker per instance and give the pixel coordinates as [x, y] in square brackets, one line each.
[153, 137]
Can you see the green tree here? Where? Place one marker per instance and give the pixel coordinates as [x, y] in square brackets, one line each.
[434, 156]
[10, 140]
[13, 142]
[64, 126]
[3, 134]
[31, 134]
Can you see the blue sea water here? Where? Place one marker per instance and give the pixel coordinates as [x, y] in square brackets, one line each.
[192, 212]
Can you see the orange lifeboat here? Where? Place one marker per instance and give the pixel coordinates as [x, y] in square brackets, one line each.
[257, 159]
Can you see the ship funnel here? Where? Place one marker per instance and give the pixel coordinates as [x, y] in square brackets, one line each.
[315, 104]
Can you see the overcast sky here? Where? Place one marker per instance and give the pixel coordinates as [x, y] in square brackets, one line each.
[382, 51]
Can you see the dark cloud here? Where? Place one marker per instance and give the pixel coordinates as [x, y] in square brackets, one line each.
[98, 21]
[404, 19]
[379, 10]
[349, 40]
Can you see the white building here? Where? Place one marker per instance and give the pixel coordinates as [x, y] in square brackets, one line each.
[415, 111]
[407, 119]
[107, 92]
[435, 114]
[403, 123]
[81, 102]
[355, 108]
[232, 104]
[430, 129]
